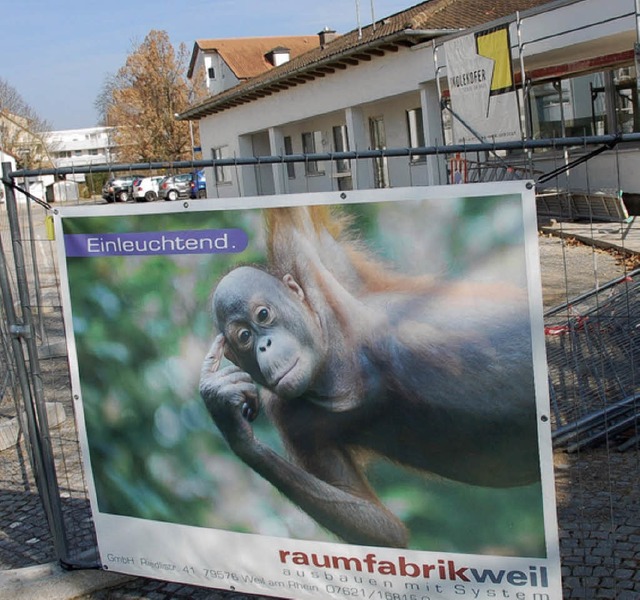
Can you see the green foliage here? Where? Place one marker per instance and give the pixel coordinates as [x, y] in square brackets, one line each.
[136, 322]
[448, 516]
[95, 181]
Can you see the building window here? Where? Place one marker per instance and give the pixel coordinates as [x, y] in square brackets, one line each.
[379, 142]
[343, 165]
[592, 104]
[221, 172]
[288, 150]
[211, 73]
[415, 130]
[341, 144]
[312, 143]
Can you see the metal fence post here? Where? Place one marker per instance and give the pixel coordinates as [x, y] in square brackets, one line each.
[34, 262]
[23, 335]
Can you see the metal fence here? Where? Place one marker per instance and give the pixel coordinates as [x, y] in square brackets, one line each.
[593, 344]
[43, 486]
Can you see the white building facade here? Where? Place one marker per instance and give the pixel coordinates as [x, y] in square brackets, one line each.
[384, 87]
[88, 146]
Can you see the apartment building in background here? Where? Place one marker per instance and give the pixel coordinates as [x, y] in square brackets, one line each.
[91, 145]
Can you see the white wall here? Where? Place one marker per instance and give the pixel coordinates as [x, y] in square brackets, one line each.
[224, 76]
[354, 86]
[318, 106]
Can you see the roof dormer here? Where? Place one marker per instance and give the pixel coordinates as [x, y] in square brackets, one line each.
[278, 56]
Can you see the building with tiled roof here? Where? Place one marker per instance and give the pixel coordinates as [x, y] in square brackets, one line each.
[226, 62]
[385, 85]
[415, 25]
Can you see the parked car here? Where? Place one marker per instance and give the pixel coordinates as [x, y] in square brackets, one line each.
[119, 189]
[198, 185]
[146, 188]
[176, 186]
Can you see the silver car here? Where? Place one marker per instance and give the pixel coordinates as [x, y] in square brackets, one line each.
[175, 186]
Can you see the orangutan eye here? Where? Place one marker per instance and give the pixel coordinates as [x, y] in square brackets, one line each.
[263, 314]
[244, 337]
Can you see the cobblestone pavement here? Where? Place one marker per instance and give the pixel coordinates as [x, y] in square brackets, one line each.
[598, 490]
[599, 517]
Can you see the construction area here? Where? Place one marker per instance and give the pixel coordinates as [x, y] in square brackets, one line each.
[591, 292]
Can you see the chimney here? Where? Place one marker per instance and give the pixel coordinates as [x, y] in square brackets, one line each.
[278, 56]
[327, 35]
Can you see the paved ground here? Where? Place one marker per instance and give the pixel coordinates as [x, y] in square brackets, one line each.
[598, 490]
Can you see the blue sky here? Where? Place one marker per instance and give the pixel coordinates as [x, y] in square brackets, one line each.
[58, 54]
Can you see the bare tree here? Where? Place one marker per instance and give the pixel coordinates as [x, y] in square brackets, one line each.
[23, 134]
[141, 101]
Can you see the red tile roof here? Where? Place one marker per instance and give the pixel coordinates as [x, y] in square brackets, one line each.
[246, 57]
[417, 24]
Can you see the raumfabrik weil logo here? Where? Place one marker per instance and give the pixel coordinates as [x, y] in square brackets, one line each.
[443, 570]
[196, 241]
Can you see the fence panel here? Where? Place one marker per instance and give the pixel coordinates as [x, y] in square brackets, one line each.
[37, 419]
[593, 344]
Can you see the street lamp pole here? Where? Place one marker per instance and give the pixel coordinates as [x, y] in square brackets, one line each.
[193, 150]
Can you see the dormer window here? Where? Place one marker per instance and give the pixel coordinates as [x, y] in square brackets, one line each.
[278, 56]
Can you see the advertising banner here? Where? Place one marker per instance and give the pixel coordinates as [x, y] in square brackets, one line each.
[316, 396]
[481, 87]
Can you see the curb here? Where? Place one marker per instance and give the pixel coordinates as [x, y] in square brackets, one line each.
[52, 582]
[598, 239]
